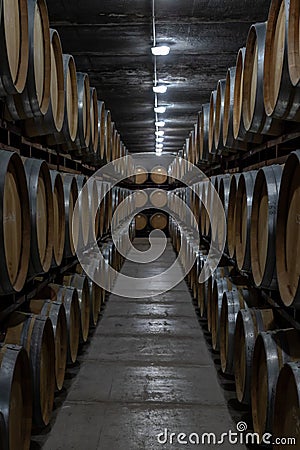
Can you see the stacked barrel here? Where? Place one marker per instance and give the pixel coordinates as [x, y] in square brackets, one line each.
[44, 93]
[259, 97]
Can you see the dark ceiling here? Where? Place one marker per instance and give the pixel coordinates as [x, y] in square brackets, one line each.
[111, 41]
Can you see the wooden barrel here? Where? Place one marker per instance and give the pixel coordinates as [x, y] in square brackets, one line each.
[35, 334]
[41, 215]
[81, 217]
[209, 215]
[219, 274]
[223, 192]
[249, 323]
[140, 222]
[95, 291]
[219, 116]
[70, 123]
[140, 198]
[93, 155]
[272, 350]
[101, 129]
[158, 175]
[52, 121]
[141, 175]
[254, 116]
[58, 217]
[293, 42]
[108, 143]
[158, 221]
[203, 212]
[231, 222]
[34, 100]
[158, 198]
[71, 194]
[239, 131]
[263, 226]
[211, 122]
[14, 223]
[288, 232]
[219, 286]
[14, 46]
[69, 297]
[244, 198]
[80, 282]
[287, 404]
[232, 302]
[204, 128]
[56, 313]
[281, 98]
[16, 398]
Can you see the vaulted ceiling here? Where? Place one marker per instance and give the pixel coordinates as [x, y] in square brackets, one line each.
[111, 41]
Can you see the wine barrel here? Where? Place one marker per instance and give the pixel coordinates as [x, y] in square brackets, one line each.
[263, 226]
[211, 123]
[203, 213]
[81, 216]
[14, 224]
[71, 194]
[219, 273]
[219, 286]
[141, 175]
[287, 404]
[158, 221]
[35, 334]
[281, 98]
[140, 198]
[158, 175]
[231, 222]
[140, 222]
[288, 233]
[107, 136]
[69, 297]
[34, 99]
[223, 192]
[232, 302]
[159, 198]
[101, 129]
[249, 323]
[204, 129]
[16, 398]
[68, 133]
[272, 350]
[293, 42]
[52, 120]
[80, 282]
[95, 291]
[219, 116]
[244, 199]
[59, 217]
[56, 313]
[254, 115]
[93, 155]
[14, 47]
[41, 215]
[239, 131]
[209, 216]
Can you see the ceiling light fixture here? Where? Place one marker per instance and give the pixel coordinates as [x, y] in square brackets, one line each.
[160, 89]
[160, 109]
[159, 133]
[160, 123]
[160, 50]
[159, 146]
[159, 140]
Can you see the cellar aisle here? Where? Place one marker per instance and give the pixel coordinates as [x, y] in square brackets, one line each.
[147, 369]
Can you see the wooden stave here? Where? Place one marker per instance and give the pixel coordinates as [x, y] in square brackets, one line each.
[270, 178]
[287, 102]
[40, 331]
[108, 129]
[93, 148]
[223, 193]
[46, 123]
[66, 135]
[36, 169]
[7, 84]
[57, 183]
[27, 104]
[211, 124]
[13, 356]
[259, 123]
[101, 130]
[249, 323]
[204, 152]
[218, 132]
[278, 348]
[245, 187]
[7, 286]
[293, 42]
[70, 188]
[289, 298]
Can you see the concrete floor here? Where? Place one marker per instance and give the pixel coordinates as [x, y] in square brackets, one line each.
[147, 368]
